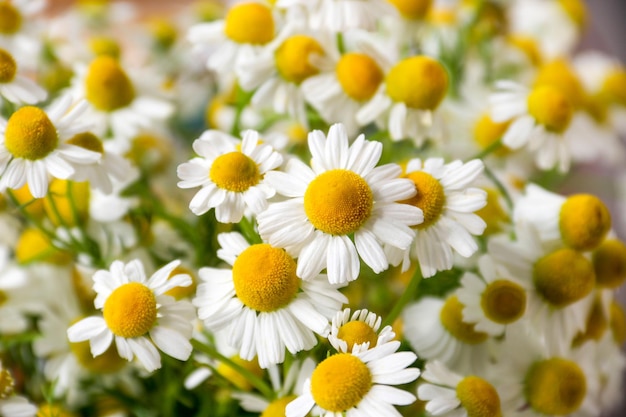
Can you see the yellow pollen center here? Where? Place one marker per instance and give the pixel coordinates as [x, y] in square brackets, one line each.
[528, 46]
[7, 384]
[277, 407]
[503, 301]
[357, 332]
[107, 87]
[53, 410]
[494, 215]
[338, 202]
[67, 202]
[8, 67]
[584, 221]
[618, 323]
[451, 317]
[563, 277]
[555, 386]
[487, 132]
[597, 323]
[105, 46]
[35, 246]
[10, 19]
[235, 172]
[609, 263]
[87, 140]
[550, 108]
[420, 82]
[293, 58]
[359, 75]
[183, 292]
[235, 377]
[164, 32]
[30, 134]
[340, 382]
[107, 363]
[250, 23]
[265, 278]
[430, 197]
[478, 397]
[614, 87]
[576, 10]
[131, 310]
[412, 9]
[560, 75]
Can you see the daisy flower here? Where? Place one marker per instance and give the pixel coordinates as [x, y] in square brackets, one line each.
[341, 208]
[358, 384]
[231, 174]
[16, 87]
[18, 31]
[137, 315]
[446, 197]
[358, 332]
[262, 304]
[33, 146]
[12, 405]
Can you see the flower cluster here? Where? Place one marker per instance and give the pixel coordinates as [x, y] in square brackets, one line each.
[326, 207]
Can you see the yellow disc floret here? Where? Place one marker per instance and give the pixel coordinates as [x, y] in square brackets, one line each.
[357, 332]
[235, 377]
[277, 407]
[555, 386]
[265, 277]
[614, 87]
[494, 215]
[293, 58]
[420, 82]
[33, 206]
[250, 23]
[103, 45]
[8, 67]
[451, 317]
[30, 134]
[130, 310]
[107, 363]
[478, 397]
[34, 245]
[430, 197]
[609, 263]
[560, 75]
[563, 277]
[550, 108]
[340, 382]
[412, 9]
[503, 301]
[584, 221]
[87, 140]
[67, 202]
[107, 87]
[10, 18]
[359, 75]
[7, 384]
[183, 292]
[234, 171]
[338, 202]
[487, 132]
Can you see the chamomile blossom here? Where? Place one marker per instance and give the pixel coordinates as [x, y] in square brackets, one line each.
[359, 331]
[358, 384]
[18, 29]
[33, 145]
[262, 303]
[231, 174]
[137, 315]
[340, 209]
[11, 404]
[14, 85]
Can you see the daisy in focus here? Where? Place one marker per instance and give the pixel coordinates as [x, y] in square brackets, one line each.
[341, 208]
[137, 315]
[231, 174]
[33, 146]
[357, 332]
[15, 86]
[262, 304]
[358, 384]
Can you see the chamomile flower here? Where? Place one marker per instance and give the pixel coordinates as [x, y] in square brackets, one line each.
[137, 315]
[341, 208]
[262, 303]
[15, 86]
[358, 384]
[18, 32]
[231, 174]
[359, 331]
[12, 405]
[33, 146]
[445, 195]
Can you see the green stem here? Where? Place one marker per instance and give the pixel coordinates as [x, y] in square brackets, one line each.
[488, 150]
[500, 187]
[247, 229]
[341, 46]
[406, 296]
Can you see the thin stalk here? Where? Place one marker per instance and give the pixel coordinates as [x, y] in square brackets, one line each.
[406, 296]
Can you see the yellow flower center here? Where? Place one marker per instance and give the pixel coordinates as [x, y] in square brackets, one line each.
[293, 58]
[528, 46]
[107, 87]
[503, 301]
[576, 10]
[609, 263]
[452, 319]
[67, 202]
[412, 9]
[34, 245]
[357, 332]
[420, 82]
[550, 108]
[150, 152]
[618, 323]
[7, 384]
[430, 197]
[183, 292]
[338, 202]
[359, 75]
[131, 310]
[87, 140]
[487, 132]
[8, 67]
[560, 75]
[250, 23]
[235, 377]
[277, 407]
[493, 213]
[33, 206]
[584, 221]
[597, 323]
[340, 382]
[555, 386]
[107, 363]
[265, 277]
[614, 87]
[103, 45]
[164, 33]
[478, 397]
[563, 277]
[10, 18]
[53, 410]
[234, 172]
[30, 134]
